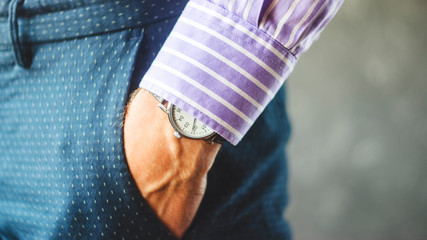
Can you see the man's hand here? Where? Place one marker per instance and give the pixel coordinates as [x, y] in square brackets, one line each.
[171, 173]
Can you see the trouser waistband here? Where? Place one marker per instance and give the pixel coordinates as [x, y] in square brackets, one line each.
[44, 23]
[29, 22]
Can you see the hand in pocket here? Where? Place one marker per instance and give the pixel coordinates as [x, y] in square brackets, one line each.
[170, 173]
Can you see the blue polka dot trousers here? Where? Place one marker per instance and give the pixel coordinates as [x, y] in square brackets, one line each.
[66, 71]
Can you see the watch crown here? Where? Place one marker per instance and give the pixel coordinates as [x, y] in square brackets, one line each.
[177, 134]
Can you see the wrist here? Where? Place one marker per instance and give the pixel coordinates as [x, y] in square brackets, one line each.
[146, 123]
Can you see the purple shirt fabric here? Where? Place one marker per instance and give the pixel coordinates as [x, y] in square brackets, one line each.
[226, 59]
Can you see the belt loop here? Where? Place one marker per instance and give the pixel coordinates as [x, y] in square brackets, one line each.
[19, 50]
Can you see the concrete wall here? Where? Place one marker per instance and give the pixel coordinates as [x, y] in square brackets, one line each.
[358, 105]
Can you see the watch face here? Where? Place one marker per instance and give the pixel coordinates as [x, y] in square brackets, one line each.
[187, 125]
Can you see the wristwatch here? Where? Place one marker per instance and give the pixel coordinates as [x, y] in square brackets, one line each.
[187, 125]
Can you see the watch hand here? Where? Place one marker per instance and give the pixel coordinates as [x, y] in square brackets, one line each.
[194, 123]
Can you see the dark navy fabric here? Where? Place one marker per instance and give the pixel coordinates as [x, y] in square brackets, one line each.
[63, 173]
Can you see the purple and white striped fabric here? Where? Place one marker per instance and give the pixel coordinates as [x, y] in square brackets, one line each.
[226, 59]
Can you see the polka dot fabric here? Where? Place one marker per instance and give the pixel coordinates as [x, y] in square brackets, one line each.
[63, 170]
[63, 173]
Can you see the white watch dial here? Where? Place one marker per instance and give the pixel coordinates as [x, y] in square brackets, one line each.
[188, 125]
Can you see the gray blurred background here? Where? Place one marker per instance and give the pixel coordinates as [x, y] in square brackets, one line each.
[358, 105]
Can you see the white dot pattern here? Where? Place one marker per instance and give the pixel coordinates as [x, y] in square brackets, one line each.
[63, 174]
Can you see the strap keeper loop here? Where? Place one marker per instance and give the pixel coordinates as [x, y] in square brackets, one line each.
[20, 52]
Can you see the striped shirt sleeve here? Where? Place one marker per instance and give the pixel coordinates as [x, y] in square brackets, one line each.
[226, 59]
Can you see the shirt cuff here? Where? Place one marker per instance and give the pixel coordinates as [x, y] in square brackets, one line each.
[219, 68]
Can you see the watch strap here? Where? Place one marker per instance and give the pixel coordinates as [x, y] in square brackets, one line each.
[216, 138]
